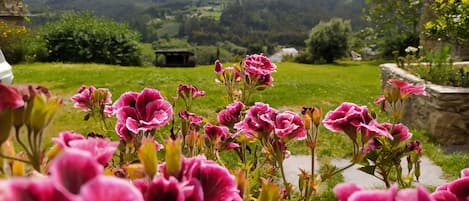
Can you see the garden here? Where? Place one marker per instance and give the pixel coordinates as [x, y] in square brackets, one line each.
[90, 118]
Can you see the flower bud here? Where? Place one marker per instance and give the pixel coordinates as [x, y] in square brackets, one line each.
[173, 157]
[147, 155]
[6, 121]
[269, 191]
[317, 116]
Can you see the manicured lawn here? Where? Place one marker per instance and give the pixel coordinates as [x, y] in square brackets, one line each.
[296, 85]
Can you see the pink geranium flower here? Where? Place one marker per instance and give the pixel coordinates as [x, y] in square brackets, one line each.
[399, 131]
[189, 91]
[258, 64]
[344, 190]
[194, 120]
[457, 190]
[407, 89]
[260, 119]
[65, 137]
[348, 118]
[162, 189]
[72, 169]
[142, 111]
[216, 134]
[89, 98]
[110, 189]
[11, 98]
[288, 125]
[26, 189]
[374, 129]
[231, 115]
[198, 177]
[101, 149]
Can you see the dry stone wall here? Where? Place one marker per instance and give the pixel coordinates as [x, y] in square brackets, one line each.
[444, 114]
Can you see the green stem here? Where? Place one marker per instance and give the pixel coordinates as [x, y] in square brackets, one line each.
[337, 171]
[18, 139]
[285, 182]
[14, 158]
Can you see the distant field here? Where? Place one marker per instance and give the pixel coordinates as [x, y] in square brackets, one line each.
[296, 85]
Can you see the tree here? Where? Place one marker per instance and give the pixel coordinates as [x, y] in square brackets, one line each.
[395, 23]
[328, 41]
[451, 21]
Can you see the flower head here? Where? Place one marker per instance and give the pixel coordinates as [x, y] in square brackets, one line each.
[101, 149]
[142, 111]
[260, 119]
[189, 91]
[11, 98]
[231, 115]
[348, 118]
[288, 125]
[65, 137]
[399, 131]
[193, 119]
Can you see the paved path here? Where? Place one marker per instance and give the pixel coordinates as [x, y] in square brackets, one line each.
[432, 175]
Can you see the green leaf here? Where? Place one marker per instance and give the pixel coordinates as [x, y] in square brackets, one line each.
[370, 169]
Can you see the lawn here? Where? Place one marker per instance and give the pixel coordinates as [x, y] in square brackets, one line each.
[295, 85]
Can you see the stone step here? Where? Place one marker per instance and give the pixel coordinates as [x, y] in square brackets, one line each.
[431, 174]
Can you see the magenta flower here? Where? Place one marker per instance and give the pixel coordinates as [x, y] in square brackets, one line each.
[347, 118]
[83, 98]
[231, 115]
[124, 133]
[260, 119]
[399, 131]
[208, 180]
[26, 189]
[89, 98]
[189, 91]
[65, 137]
[374, 129]
[258, 64]
[344, 190]
[142, 111]
[460, 188]
[414, 146]
[465, 172]
[418, 194]
[11, 98]
[109, 189]
[72, 169]
[288, 125]
[162, 189]
[193, 119]
[218, 66]
[101, 149]
[407, 89]
[374, 195]
[216, 134]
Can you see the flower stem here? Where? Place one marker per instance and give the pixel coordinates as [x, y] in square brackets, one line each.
[14, 158]
[337, 171]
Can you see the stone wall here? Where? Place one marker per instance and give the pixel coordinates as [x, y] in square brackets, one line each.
[444, 114]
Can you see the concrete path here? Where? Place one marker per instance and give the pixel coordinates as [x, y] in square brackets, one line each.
[432, 175]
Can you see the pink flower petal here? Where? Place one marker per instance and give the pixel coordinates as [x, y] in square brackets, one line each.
[65, 137]
[25, 189]
[161, 189]
[101, 149]
[11, 98]
[126, 99]
[144, 98]
[444, 196]
[72, 169]
[460, 187]
[109, 189]
[344, 190]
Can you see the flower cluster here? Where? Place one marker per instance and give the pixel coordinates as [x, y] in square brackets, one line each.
[93, 101]
[194, 180]
[74, 176]
[395, 95]
[254, 73]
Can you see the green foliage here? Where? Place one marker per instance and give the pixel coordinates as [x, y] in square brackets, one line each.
[13, 40]
[328, 41]
[395, 23]
[87, 38]
[451, 21]
[207, 55]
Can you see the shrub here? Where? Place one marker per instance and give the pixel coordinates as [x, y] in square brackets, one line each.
[12, 41]
[328, 41]
[87, 38]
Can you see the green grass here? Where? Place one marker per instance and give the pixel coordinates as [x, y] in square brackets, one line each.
[295, 85]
